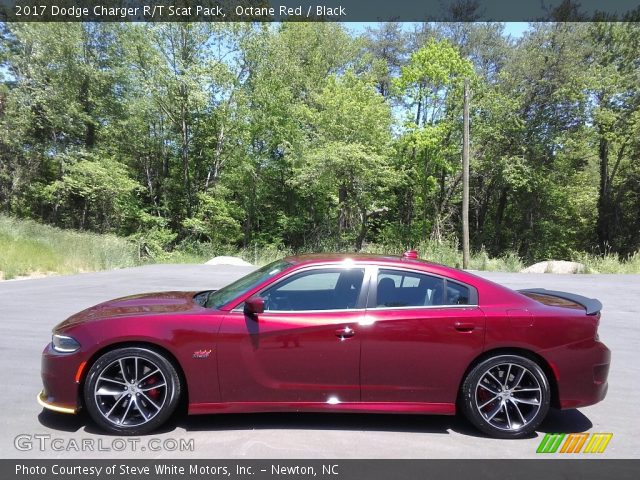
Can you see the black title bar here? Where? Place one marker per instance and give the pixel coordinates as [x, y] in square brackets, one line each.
[317, 10]
[330, 469]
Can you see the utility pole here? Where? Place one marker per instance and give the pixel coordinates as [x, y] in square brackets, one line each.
[465, 179]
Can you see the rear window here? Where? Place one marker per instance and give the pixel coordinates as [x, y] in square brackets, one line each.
[553, 301]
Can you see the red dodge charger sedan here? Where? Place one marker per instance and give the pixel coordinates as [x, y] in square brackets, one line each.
[343, 333]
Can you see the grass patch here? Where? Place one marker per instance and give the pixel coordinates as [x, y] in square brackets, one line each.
[27, 247]
[609, 263]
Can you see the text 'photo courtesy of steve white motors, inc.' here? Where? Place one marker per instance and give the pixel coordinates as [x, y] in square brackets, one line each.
[180, 469]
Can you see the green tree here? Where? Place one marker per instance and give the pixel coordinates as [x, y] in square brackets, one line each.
[613, 80]
[431, 82]
[348, 155]
[95, 192]
[63, 89]
[287, 68]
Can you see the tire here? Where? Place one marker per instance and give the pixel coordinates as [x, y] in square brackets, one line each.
[120, 405]
[506, 396]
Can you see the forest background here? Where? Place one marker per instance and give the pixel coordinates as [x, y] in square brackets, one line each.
[182, 141]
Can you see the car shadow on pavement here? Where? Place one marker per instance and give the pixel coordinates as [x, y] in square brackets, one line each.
[319, 421]
[62, 421]
[567, 421]
[267, 421]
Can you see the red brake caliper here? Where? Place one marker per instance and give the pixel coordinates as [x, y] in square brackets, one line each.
[153, 393]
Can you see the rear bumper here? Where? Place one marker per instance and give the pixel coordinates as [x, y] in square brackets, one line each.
[582, 371]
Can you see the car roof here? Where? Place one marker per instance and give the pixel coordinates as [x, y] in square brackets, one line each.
[386, 260]
[340, 257]
[330, 258]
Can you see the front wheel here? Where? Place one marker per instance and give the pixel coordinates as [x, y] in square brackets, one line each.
[506, 396]
[131, 391]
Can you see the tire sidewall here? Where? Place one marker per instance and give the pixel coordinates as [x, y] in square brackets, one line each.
[168, 370]
[476, 418]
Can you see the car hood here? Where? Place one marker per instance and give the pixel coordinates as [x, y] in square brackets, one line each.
[160, 303]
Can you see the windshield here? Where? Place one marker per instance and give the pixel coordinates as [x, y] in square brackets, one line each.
[225, 295]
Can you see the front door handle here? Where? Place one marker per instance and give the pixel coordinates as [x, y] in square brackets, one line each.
[464, 326]
[346, 332]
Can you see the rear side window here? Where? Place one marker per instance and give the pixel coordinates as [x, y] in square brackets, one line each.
[397, 288]
[457, 294]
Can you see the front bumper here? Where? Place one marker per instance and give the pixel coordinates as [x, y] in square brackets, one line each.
[45, 403]
[59, 375]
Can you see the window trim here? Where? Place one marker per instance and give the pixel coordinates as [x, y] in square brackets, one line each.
[361, 303]
[373, 290]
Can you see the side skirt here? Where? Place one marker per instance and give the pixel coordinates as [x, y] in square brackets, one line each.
[362, 407]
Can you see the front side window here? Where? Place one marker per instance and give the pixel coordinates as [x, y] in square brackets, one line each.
[224, 295]
[322, 289]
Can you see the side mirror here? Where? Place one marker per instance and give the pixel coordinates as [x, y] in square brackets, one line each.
[254, 305]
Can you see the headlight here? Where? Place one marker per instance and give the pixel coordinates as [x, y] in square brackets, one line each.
[64, 344]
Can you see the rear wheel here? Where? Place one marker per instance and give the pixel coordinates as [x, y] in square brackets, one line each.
[506, 396]
[131, 391]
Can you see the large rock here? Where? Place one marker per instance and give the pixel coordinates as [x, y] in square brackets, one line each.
[226, 260]
[555, 266]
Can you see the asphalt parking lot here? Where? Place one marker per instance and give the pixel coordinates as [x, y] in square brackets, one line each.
[30, 308]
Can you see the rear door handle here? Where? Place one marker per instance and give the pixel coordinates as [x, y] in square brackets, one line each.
[464, 326]
[346, 332]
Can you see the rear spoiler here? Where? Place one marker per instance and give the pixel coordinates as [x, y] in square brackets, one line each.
[591, 305]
